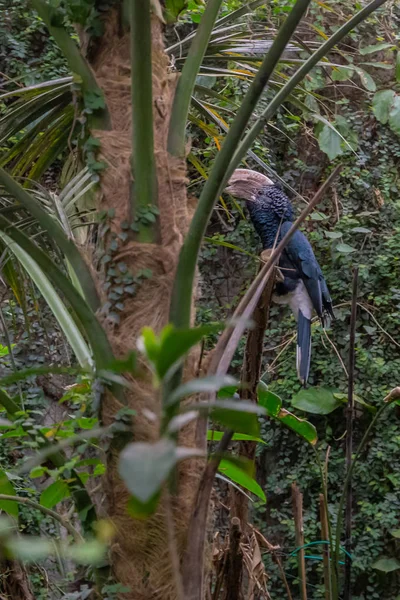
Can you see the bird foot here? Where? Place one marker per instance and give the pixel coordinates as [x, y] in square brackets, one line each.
[265, 255]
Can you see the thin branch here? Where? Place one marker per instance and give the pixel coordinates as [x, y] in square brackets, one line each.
[389, 400]
[349, 435]
[47, 511]
[172, 547]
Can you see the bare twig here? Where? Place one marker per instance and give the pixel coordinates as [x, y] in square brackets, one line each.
[297, 499]
[234, 563]
[47, 511]
[326, 551]
[349, 436]
[172, 547]
[251, 371]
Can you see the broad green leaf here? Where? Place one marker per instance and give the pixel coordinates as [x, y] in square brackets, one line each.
[143, 510]
[236, 474]
[7, 488]
[270, 401]
[342, 73]
[216, 436]
[386, 565]
[209, 384]
[54, 493]
[228, 391]
[316, 400]
[366, 80]
[330, 142]
[144, 467]
[172, 345]
[302, 427]
[361, 230]
[239, 415]
[382, 103]
[345, 248]
[91, 552]
[394, 116]
[273, 405]
[375, 48]
[395, 533]
[333, 235]
[398, 66]
[30, 548]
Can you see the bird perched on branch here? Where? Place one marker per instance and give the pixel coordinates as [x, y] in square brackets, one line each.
[303, 286]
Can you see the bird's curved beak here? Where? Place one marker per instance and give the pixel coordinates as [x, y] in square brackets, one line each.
[245, 184]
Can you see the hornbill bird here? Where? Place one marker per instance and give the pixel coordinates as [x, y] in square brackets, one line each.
[302, 286]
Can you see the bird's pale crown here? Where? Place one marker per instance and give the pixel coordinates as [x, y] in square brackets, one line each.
[245, 184]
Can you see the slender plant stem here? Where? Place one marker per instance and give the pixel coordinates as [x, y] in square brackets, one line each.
[143, 159]
[184, 89]
[324, 484]
[349, 435]
[47, 511]
[56, 233]
[76, 62]
[183, 284]
[346, 483]
[287, 89]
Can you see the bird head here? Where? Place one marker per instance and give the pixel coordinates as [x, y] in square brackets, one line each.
[248, 185]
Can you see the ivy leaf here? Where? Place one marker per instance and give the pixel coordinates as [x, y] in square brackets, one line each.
[345, 248]
[94, 100]
[317, 401]
[386, 565]
[381, 105]
[239, 476]
[394, 116]
[6, 487]
[173, 8]
[330, 142]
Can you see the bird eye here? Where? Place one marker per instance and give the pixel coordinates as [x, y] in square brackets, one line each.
[259, 193]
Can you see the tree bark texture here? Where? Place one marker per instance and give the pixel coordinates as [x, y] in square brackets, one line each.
[140, 557]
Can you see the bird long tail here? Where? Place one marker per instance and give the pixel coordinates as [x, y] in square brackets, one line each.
[303, 355]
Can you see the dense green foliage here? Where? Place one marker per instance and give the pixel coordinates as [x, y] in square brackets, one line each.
[347, 110]
[357, 224]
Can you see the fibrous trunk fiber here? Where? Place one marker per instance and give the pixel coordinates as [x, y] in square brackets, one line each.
[140, 555]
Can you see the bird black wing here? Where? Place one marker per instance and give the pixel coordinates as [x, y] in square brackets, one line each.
[301, 255]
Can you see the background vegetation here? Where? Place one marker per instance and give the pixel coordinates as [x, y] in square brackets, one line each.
[341, 114]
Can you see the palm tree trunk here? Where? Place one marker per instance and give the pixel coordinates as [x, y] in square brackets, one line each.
[140, 557]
